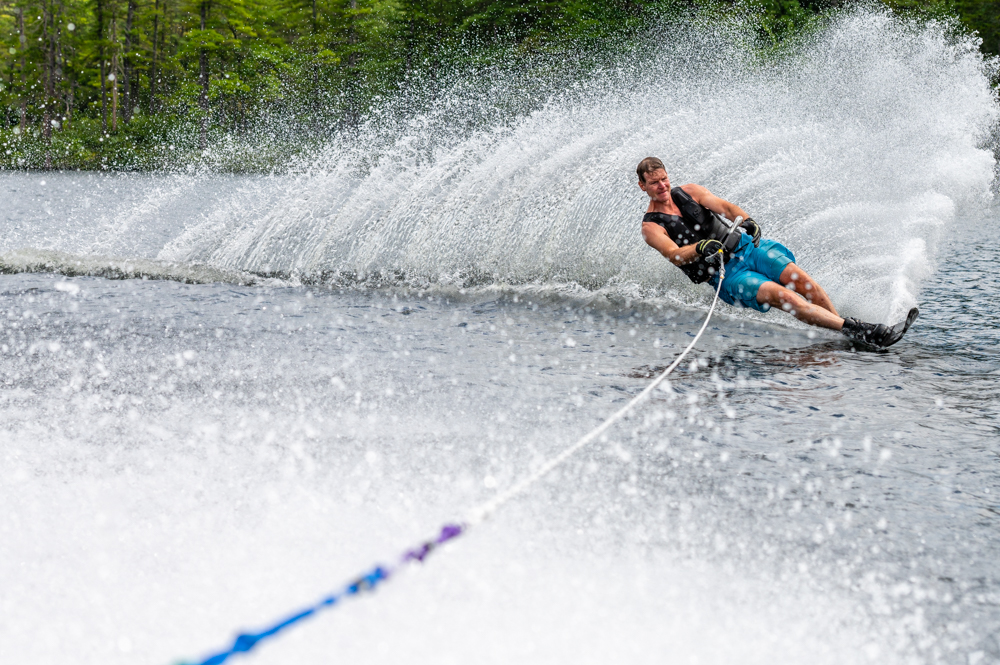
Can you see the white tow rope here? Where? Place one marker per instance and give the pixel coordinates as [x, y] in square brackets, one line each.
[484, 511]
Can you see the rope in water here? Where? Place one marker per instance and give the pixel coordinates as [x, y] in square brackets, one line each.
[367, 582]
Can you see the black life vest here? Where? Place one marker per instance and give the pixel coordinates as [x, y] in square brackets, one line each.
[696, 223]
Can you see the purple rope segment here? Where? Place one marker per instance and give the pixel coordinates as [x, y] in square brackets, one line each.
[448, 531]
[367, 582]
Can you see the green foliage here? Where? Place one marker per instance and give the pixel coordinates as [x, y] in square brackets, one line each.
[979, 16]
[983, 16]
[287, 71]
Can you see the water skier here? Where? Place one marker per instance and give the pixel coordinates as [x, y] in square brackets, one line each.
[760, 273]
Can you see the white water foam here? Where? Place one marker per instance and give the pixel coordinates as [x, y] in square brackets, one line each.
[71, 265]
[857, 148]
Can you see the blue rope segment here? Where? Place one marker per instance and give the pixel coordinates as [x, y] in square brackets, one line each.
[367, 582]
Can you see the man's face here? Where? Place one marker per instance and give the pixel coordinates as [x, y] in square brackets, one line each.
[657, 185]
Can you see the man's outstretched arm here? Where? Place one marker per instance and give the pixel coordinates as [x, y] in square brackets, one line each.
[728, 210]
[657, 238]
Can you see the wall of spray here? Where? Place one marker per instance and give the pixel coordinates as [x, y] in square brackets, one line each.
[858, 148]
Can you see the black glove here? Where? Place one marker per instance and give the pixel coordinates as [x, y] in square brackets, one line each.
[708, 247]
[752, 229]
[711, 250]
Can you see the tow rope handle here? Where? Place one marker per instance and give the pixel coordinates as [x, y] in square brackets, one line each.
[732, 227]
[724, 239]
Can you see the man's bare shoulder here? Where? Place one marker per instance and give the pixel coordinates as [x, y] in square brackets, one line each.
[695, 191]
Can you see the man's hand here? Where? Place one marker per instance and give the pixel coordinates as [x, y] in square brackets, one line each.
[709, 247]
[711, 251]
[753, 230]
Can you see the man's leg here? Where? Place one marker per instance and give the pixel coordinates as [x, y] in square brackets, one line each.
[796, 279]
[776, 295]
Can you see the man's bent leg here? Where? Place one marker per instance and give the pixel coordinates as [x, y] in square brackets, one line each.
[776, 295]
[796, 279]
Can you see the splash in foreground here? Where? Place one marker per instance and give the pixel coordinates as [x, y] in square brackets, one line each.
[681, 223]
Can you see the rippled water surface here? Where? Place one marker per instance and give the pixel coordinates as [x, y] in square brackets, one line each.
[183, 459]
[222, 397]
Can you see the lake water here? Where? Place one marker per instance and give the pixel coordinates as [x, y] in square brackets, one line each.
[222, 397]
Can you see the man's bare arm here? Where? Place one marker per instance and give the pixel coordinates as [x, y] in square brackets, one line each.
[728, 210]
[657, 238]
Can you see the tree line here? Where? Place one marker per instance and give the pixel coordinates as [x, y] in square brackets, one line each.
[101, 75]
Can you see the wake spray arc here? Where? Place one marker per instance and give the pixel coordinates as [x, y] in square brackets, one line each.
[370, 580]
[868, 129]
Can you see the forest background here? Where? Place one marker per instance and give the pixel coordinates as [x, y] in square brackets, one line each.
[153, 84]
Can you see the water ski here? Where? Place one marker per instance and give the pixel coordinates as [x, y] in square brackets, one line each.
[879, 336]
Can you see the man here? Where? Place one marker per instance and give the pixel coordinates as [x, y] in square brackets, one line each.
[759, 273]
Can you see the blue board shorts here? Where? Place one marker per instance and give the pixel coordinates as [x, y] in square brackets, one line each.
[750, 267]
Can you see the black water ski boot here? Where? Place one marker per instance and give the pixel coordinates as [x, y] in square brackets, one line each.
[878, 335]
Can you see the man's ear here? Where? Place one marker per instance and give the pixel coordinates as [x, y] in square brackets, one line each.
[642, 185]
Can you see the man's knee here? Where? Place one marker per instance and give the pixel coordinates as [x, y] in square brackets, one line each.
[794, 278]
[770, 293]
[776, 295]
